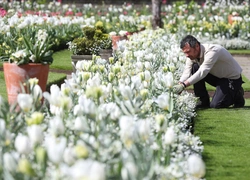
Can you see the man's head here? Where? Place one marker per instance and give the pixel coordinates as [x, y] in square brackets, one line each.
[191, 47]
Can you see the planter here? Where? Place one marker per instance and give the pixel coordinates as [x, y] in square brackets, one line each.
[15, 75]
[116, 39]
[232, 18]
[76, 58]
[106, 53]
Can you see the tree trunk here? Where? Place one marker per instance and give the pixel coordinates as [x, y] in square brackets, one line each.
[156, 11]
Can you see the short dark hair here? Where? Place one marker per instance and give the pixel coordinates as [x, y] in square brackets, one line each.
[191, 40]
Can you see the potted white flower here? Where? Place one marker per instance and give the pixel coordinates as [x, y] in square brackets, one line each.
[30, 62]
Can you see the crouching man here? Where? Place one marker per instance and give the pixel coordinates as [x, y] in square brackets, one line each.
[213, 64]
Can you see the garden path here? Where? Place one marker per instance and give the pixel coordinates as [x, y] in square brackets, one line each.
[244, 61]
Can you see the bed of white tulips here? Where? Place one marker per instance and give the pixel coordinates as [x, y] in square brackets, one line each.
[118, 120]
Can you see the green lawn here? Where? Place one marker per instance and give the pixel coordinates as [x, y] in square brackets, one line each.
[240, 52]
[226, 139]
[62, 60]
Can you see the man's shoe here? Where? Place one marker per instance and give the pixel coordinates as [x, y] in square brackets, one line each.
[239, 100]
[203, 104]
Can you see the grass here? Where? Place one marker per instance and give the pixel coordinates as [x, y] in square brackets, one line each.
[240, 52]
[62, 60]
[225, 136]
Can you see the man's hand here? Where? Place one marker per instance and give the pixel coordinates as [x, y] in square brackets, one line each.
[178, 88]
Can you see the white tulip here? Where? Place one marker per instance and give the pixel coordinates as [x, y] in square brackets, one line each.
[196, 166]
[25, 101]
[129, 171]
[169, 79]
[147, 65]
[126, 92]
[37, 92]
[88, 169]
[127, 130]
[69, 156]
[54, 97]
[170, 136]
[78, 110]
[88, 105]
[163, 101]
[23, 144]
[10, 162]
[147, 76]
[143, 129]
[35, 133]
[55, 148]
[113, 110]
[2, 127]
[80, 124]
[56, 126]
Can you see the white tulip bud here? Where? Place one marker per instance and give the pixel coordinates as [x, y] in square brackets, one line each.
[196, 166]
[169, 136]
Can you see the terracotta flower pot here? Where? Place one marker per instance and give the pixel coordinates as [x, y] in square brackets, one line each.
[15, 75]
[230, 19]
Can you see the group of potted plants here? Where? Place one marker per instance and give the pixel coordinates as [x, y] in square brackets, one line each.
[95, 40]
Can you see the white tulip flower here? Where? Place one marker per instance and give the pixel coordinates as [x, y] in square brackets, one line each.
[10, 162]
[69, 156]
[125, 91]
[23, 144]
[2, 127]
[56, 126]
[55, 148]
[37, 92]
[35, 133]
[88, 169]
[88, 105]
[169, 79]
[163, 101]
[80, 124]
[78, 110]
[196, 166]
[170, 136]
[130, 170]
[143, 129]
[127, 129]
[25, 101]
